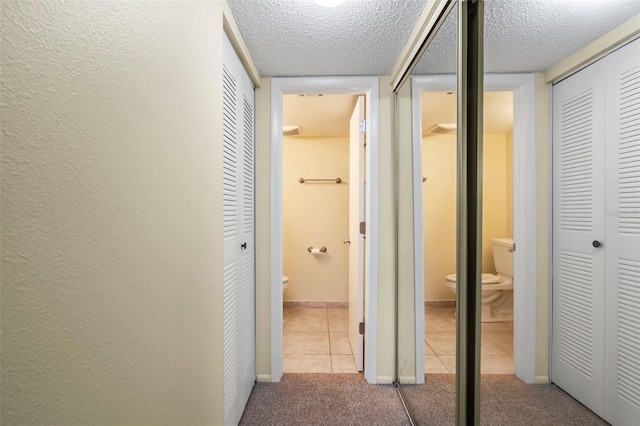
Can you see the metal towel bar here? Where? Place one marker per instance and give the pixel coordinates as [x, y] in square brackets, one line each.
[303, 180]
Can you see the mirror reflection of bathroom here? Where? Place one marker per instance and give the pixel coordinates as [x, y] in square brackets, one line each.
[323, 159]
[439, 205]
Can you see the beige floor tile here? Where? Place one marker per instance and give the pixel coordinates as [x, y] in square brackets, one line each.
[501, 344]
[497, 327]
[340, 344]
[305, 343]
[318, 313]
[306, 363]
[433, 365]
[449, 361]
[442, 343]
[496, 365]
[338, 325]
[427, 349]
[343, 364]
[307, 324]
[440, 319]
[338, 313]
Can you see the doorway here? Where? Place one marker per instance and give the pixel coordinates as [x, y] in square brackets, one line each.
[367, 86]
[323, 250]
[523, 87]
[439, 160]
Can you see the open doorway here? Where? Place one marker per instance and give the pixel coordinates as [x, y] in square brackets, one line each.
[368, 292]
[439, 147]
[323, 250]
[523, 87]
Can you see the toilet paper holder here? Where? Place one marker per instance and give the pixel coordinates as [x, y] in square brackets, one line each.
[317, 250]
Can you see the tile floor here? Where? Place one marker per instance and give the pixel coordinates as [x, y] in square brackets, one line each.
[440, 343]
[316, 340]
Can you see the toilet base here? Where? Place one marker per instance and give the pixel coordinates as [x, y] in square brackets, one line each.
[499, 309]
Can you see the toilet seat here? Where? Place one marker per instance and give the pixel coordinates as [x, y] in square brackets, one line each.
[486, 278]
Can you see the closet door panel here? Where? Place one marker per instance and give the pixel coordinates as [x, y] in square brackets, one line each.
[239, 236]
[622, 245]
[578, 221]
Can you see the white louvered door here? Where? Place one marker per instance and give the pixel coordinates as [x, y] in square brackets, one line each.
[239, 236]
[622, 244]
[596, 236]
[578, 220]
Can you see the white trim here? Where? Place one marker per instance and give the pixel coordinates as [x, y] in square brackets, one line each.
[356, 85]
[237, 41]
[524, 205]
[423, 27]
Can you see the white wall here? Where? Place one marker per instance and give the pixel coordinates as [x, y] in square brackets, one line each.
[316, 214]
[111, 213]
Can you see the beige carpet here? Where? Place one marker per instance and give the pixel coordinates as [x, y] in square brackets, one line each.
[346, 399]
[323, 399]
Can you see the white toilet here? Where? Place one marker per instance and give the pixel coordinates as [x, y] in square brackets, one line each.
[497, 290]
[285, 282]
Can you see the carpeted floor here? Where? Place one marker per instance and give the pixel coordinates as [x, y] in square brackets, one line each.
[346, 399]
[324, 399]
[504, 400]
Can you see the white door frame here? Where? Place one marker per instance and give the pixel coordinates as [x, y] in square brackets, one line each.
[524, 211]
[345, 85]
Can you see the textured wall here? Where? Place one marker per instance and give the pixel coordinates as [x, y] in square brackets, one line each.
[316, 214]
[111, 217]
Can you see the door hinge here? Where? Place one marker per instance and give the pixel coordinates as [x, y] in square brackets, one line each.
[361, 328]
[363, 228]
[363, 126]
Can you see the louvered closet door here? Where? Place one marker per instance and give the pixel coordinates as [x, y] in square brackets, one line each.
[239, 236]
[622, 243]
[578, 220]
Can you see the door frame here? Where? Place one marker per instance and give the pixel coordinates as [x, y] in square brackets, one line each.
[524, 212]
[369, 86]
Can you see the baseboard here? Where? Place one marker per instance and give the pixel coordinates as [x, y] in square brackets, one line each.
[407, 380]
[384, 380]
[313, 304]
[542, 380]
[439, 303]
[263, 378]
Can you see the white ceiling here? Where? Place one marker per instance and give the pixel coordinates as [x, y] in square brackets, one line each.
[300, 38]
[365, 37]
[322, 116]
[440, 107]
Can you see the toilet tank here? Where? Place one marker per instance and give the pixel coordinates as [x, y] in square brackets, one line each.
[502, 257]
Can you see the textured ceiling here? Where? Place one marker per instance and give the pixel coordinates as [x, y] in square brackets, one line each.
[365, 37]
[300, 38]
[529, 35]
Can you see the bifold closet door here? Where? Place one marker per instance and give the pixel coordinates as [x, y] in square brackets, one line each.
[622, 243]
[578, 222]
[239, 236]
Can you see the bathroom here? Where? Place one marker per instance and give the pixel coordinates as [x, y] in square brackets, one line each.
[316, 205]
[439, 221]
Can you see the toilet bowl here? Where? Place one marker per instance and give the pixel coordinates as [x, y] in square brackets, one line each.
[497, 289]
[285, 282]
